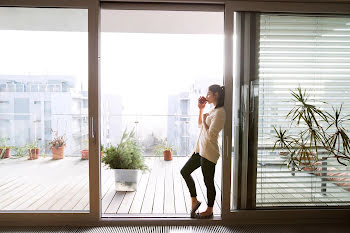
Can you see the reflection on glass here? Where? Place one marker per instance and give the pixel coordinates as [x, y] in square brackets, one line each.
[310, 53]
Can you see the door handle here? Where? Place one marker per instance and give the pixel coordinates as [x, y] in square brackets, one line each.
[92, 129]
[227, 151]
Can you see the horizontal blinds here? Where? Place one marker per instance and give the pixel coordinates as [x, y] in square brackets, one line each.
[313, 53]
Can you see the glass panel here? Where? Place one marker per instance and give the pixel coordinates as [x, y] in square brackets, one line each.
[154, 68]
[234, 128]
[310, 53]
[43, 83]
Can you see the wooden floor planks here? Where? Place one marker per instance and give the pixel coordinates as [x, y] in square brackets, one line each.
[45, 184]
[64, 185]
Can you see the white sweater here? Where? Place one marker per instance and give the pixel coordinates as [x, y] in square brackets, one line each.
[207, 143]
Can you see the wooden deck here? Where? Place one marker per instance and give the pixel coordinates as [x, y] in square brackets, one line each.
[160, 191]
[63, 185]
[45, 184]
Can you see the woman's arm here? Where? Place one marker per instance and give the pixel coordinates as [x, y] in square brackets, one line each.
[200, 117]
[201, 107]
[205, 121]
[217, 124]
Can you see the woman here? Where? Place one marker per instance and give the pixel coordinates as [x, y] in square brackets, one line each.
[206, 151]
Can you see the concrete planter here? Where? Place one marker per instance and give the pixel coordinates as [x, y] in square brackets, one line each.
[126, 179]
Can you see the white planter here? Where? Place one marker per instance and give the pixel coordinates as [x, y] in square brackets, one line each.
[126, 179]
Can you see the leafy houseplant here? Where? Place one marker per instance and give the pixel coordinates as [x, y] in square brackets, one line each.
[4, 148]
[165, 149]
[126, 160]
[320, 131]
[57, 146]
[33, 150]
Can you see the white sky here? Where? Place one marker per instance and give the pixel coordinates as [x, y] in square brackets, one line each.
[146, 67]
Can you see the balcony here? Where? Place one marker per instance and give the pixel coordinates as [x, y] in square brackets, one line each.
[62, 185]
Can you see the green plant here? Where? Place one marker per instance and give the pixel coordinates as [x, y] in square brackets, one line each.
[3, 142]
[85, 144]
[126, 155]
[21, 151]
[32, 145]
[57, 141]
[319, 131]
[163, 146]
[3, 146]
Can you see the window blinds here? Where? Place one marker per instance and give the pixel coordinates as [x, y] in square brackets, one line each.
[311, 52]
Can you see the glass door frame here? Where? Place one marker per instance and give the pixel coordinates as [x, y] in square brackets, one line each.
[240, 215]
[44, 218]
[227, 80]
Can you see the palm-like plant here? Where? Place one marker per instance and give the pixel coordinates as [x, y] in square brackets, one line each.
[320, 131]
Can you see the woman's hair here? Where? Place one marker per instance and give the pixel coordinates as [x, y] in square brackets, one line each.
[221, 94]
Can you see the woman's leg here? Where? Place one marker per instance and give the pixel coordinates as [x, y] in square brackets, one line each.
[192, 164]
[208, 170]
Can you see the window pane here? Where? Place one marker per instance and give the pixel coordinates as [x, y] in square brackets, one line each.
[43, 83]
[311, 53]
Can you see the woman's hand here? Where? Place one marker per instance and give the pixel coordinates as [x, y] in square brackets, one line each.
[201, 102]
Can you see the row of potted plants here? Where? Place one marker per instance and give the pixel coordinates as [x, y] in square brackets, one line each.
[57, 148]
[5, 149]
[30, 149]
[126, 159]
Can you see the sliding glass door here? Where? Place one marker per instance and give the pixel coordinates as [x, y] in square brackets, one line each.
[43, 109]
[304, 93]
[154, 68]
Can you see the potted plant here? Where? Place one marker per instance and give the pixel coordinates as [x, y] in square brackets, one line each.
[165, 149]
[320, 131]
[4, 148]
[57, 146]
[102, 148]
[126, 160]
[33, 150]
[85, 151]
[21, 151]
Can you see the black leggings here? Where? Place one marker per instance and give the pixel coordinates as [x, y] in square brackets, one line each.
[208, 170]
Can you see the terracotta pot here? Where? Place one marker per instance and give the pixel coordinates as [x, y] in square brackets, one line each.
[168, 155]
[33, 153]
[284, 153]
[307, 161]
[57, 153]
[85, 154]
[5, 154]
